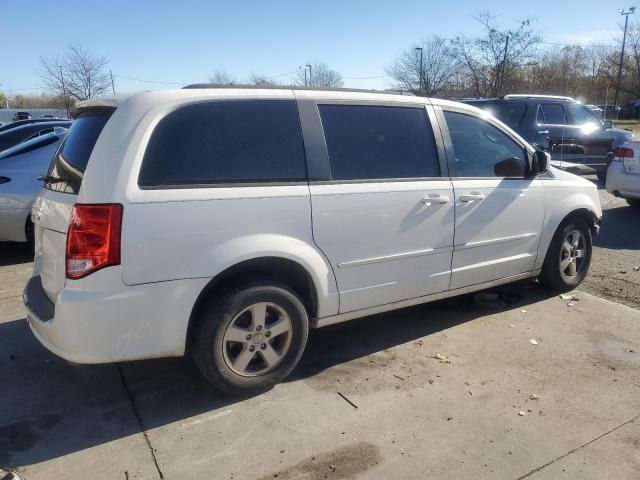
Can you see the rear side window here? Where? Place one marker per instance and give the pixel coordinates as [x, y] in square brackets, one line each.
[552, 114]
[379, 142]
[238, 141]
[508, 112]
[71, 159]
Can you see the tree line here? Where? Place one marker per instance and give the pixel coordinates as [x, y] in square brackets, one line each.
[497, 61]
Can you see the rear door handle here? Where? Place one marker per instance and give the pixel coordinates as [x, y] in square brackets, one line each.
[440, 199]
[471, 197]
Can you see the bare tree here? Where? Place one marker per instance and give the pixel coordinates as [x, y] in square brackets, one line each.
[493, 60]
[438, 67]
[78, 74]
[320, 75]
[222, 77]
[260, 79]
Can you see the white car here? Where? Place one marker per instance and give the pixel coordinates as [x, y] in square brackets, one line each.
[20, 167]
[623, 175]
[227, 222]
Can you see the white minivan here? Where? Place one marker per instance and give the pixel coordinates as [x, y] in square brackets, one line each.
[225, 222]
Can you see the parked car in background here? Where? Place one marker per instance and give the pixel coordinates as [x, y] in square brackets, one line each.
[623, 178]
[21, 116]
[628, 111]
[181, 221]
[19, 123]
[20, 168]
[566, 129]
[13, 136]
[611, 112]
[47, 115]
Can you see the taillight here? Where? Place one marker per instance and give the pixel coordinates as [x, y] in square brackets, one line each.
[93, 239]
[623, 152]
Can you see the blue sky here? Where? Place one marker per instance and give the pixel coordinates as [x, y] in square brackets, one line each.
[184, 41]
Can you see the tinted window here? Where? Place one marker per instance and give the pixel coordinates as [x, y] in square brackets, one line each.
[553, 114]
[376, 142]
[226, 142]
[510, 113]
[482, 150]
[71, 159]
[30, 145]
[581, 115]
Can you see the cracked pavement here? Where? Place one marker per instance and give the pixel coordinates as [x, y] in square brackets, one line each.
[369, 399]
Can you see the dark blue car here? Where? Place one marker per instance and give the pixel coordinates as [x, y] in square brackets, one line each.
[568, 130]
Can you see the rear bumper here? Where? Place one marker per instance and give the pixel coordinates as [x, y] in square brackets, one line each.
[90, 325]
[621, 183]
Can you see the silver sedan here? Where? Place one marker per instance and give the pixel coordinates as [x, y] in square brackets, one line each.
[20, 167]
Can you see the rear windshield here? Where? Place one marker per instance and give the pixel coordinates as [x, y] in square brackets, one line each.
[71, 159]
[509, 113]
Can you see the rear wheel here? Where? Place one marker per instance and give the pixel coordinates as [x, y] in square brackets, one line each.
[251, 338]
[633, 202]
[569, 255]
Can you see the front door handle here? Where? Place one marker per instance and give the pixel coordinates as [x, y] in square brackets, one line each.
[440, 199]
[543, 132]
[471, 197]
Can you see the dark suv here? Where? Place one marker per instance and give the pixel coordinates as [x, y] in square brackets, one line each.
[566, 129]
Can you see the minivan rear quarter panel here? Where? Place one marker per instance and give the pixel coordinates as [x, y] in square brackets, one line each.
[198, 232]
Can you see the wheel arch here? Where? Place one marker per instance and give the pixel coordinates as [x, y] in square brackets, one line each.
[285, 270]
[584, 212]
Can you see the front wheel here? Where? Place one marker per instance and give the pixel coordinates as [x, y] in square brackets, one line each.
[251, 338]
[569, 255]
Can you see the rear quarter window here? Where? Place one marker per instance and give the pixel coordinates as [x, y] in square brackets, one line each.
[71, 160]
[222, 142]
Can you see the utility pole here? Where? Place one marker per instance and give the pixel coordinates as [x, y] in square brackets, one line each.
[420, 72]
[64, 92]
[113, 87]
[310, 75]
[624, 40]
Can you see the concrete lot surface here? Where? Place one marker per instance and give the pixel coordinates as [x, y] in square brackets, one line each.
[369, 401]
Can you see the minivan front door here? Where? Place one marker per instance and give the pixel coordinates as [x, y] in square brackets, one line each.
[499, 210]
[385, 217]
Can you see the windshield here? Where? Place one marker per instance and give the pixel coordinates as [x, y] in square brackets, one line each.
[509, 113]
[71, 159]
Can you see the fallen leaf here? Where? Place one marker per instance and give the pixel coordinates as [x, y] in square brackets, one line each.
[522, 414]
[533, 341]
[511, 325]
[523, 311]
[442, 358]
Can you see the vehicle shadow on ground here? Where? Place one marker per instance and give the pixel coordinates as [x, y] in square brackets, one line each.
[610, 235]
[15, 253]
[50, 408]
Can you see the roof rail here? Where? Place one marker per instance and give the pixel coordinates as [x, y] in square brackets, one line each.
[524, 95]
[291, 87]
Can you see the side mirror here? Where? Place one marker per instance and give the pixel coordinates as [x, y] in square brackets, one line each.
[540, 162]
[607, 124]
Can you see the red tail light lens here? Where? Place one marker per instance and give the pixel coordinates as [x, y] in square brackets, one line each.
[93, 239]
[623, 152]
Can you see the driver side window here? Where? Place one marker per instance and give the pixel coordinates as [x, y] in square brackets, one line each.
[482, 150]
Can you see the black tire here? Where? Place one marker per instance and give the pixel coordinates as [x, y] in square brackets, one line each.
[29, 233]
[633, 202]
[552, 275]
[602, 176]
[211, 351]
